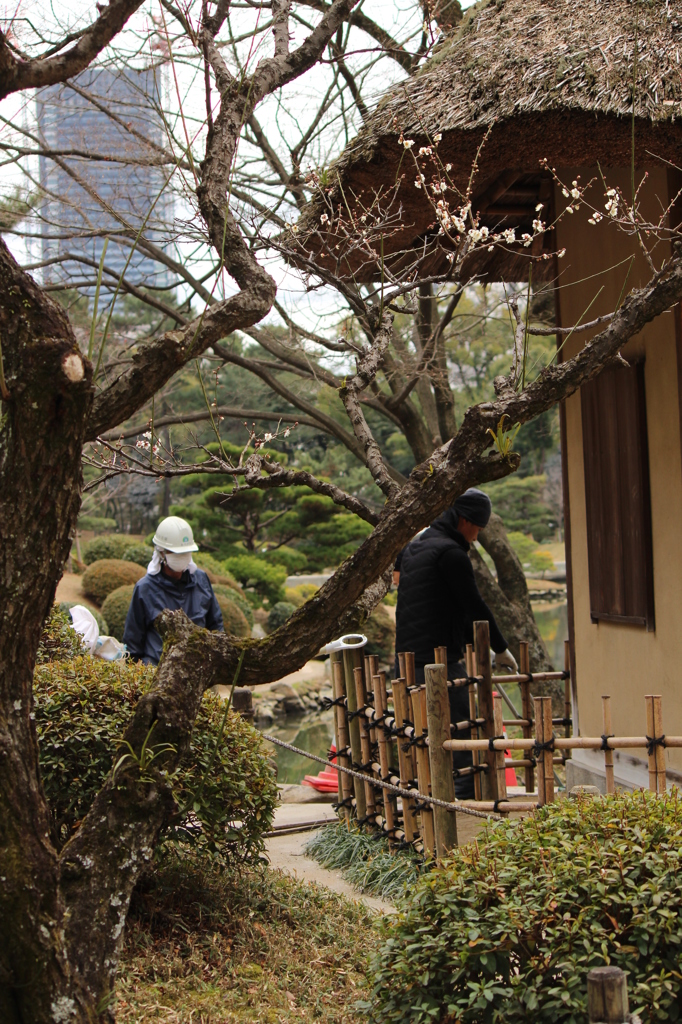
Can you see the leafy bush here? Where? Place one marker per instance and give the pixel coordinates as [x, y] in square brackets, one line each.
[59, 641]
[102, 623]
[109, 545]
[279, 614]
[290, 558]
[380, 632]
[105, 576]
[82, 708]
[215, 570]
[141, 554]
[529, 553]
[509, 928]
[234, 619]
[115, 608]
[235, 595]
[97, 523]
[300, 594]
[252, 571]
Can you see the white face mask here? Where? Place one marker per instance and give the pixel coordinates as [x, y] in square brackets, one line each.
[178, 563]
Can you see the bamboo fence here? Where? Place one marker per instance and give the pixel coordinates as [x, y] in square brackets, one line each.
[404, 737]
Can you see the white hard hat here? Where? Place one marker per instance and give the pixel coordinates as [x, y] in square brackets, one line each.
[175, 535]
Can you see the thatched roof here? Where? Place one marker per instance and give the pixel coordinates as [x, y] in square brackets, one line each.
[547, 79]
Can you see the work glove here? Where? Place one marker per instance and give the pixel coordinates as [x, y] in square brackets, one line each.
[506, 660]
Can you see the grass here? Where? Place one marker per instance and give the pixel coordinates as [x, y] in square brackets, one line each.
[204, 947]
[364, 860]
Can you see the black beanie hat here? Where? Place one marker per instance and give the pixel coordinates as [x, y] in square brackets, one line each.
[475, 506]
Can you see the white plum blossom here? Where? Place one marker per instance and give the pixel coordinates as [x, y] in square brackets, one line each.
[595, 218]
[425, 151]
[408, 143]
[324, 219]
[268, 437]
[561, 253]
[526, 239]
[538, 226]
[509, 235]
[438, 136]
[569, 209]
[538, 208]
[448, 167]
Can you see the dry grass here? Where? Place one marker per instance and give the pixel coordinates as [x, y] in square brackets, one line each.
[210, 948]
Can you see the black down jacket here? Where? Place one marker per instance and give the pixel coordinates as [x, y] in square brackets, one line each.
[438, 600]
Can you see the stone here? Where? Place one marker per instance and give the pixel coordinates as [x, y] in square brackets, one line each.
[294, 705]
[263, 716]
[293, 794]
[283, 690]
[584, 791]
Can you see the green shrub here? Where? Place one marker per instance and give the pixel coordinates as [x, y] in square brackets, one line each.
[115, 608]
[109, 545]
[234, 619]
[279, 614]
[236, 596]
[82, 708]
[141, 554]
[380, 632]
[290, 558]
[252, 571]
[102, 623]
[509, 928]
[365, 859]
[105, 576]
[59, 641]
[215, 570]
[300, 594]
[97, 523]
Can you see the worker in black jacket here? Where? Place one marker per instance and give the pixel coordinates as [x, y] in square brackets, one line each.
[439, 601]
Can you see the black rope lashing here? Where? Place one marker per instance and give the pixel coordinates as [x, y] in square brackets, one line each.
[652, 742]
[540, 748]
[327, 703]
[605, 737]
[350, 715]
[492, 741]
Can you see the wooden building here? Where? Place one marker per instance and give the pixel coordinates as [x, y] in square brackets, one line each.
[554, 80]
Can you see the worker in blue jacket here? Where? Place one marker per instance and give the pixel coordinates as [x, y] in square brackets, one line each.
[173, 581]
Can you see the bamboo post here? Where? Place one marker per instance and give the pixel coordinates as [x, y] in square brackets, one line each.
[526, 707]
[422, 756]
[475, 758]
[365, 743]
[608, 754]
[607, 996]
[404, 758]
[442, 779]
[543, 734]
[349, 657]
[654, 732]
[568, 704]
[499, 754]
[485, 703]
[337, 739]
[342, 732]
[379, 686]
[440, 656]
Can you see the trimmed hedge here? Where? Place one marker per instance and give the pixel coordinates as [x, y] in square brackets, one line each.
[235, 595]
[234, 619]
[105, 576]
[251, 571]
[109, 545]
[141, 554]
[59, 641]
[115, 608]
[507, 930]
[82, 708]
[278, 615]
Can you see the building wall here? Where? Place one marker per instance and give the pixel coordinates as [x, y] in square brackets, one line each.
[624, 661]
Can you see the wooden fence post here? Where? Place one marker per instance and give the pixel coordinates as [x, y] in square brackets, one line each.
[365, 743]
[499, 755]
[422, 755]
[342, 739]
[379, 685]
[543, 734]
[607, 996]
[475, 733]
[526, 708]
[442, 779]
[608, 754]
[354, 729]
[404, 757]
[485, 704]
[654, 732]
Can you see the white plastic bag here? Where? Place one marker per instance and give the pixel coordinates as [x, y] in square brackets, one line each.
[85, 623]
[110, 649]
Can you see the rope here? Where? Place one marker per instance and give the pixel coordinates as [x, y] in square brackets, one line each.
[398, 790]
[652, 742]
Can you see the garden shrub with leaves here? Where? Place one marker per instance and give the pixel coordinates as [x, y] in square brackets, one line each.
[106, 575]
[509, 928]
[225, 789]
[236, 596]
[251, 571]
[109, 545]
[279, 614]
[115, 609]
[59, 640]
[141, 554]
[234, 620]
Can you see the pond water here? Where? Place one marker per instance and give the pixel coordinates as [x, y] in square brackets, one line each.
[314, 731]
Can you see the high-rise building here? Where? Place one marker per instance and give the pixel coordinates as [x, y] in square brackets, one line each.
[100, 179]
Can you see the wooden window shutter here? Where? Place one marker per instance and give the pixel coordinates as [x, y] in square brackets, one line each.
[616, 461]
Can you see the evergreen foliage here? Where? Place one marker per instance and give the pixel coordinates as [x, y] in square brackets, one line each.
[109, 545]
[115, 608]
[279, 614]
[106, 575]
[234, 619]
[141, 554]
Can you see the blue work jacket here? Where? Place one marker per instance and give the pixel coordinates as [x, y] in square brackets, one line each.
[192, 592]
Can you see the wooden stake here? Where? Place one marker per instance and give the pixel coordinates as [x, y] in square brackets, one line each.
[499, 754]
[607, 996]
[485, 703]
[568, 704]
[475, 757]
[440, 656]
[526, 707]
[379, 686]
[422, 756]
[608, 754]
[337, 739]
[401, 667]
[343, 740]
[349, 657]
[654, 731]
[400, 708]
[442, 779]
[365, 744]
[543, 734]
